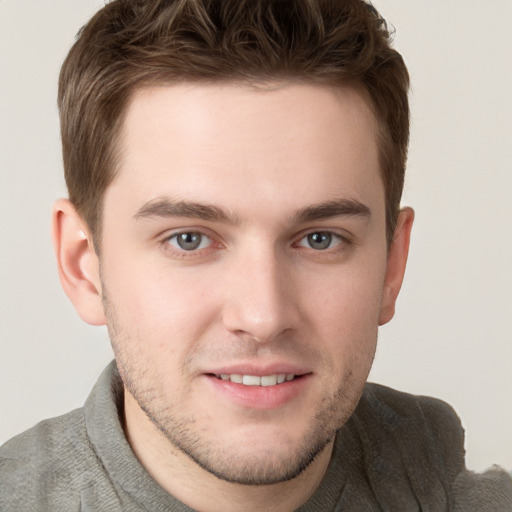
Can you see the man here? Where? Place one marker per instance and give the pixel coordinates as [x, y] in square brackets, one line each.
[235, 172]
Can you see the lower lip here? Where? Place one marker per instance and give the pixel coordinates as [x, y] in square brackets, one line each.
[260, 397]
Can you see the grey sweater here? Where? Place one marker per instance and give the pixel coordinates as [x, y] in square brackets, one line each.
[397, 453]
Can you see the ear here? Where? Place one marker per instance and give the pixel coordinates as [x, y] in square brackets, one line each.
[395, 269]
[77, 262]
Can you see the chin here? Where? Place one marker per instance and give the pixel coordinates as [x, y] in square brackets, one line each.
[247, 466]
[255, 454]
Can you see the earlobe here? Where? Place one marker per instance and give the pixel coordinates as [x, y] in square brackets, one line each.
[77, 262]
[397, 259]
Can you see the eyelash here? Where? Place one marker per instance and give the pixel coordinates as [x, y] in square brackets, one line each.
[184, 253]
[343, 242]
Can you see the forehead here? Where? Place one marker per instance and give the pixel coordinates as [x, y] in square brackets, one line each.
[284, 143]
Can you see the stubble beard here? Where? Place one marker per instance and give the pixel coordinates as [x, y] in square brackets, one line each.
[227, 463]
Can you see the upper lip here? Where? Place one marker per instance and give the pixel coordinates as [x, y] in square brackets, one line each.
[259, 370]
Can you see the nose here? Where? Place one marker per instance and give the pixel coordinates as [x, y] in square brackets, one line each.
[261, 301]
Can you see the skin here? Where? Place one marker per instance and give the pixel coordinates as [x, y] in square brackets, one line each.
[281, 188]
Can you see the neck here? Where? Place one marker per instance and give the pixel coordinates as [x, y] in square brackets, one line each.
[181, 477]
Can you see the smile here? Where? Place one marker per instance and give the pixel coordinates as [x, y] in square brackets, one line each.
[254, 380]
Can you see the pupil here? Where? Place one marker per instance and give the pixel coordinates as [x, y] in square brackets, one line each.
[320, 240]
[189, 241]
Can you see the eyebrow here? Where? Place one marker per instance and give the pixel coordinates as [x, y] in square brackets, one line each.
[165, 207]
[333, 208]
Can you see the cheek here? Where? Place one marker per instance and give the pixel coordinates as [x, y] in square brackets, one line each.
[350, 298]
[159, 307]
[346, 316]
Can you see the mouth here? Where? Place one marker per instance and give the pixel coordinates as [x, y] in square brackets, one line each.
[255, 380]
[265, 390]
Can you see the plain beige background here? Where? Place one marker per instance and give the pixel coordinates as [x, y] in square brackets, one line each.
[451, 337]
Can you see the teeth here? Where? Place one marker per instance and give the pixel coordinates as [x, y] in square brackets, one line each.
[253, 380]
[269, 380]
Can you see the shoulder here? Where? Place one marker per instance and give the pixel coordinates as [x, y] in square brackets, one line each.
[44, 436]
[43, 462]
[486, 492]
[47, 442]
[430, 415]
[411, 444]
[424, 437]
[405, 403]
[432, 419]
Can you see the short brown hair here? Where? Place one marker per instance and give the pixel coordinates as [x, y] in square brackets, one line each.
[129, 44]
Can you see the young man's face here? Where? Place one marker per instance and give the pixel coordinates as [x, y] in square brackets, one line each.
[244, 240]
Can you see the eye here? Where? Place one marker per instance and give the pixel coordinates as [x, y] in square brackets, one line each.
[320, 240]
[189, 241]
